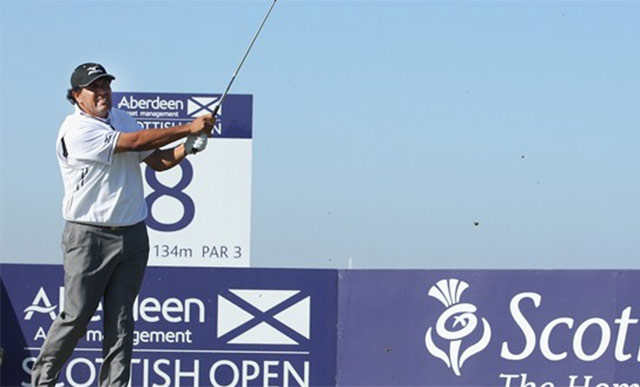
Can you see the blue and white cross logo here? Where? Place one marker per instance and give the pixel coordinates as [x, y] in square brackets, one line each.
[264, 317]
[198, 106]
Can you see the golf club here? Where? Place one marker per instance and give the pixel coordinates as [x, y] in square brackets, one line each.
[235, 73]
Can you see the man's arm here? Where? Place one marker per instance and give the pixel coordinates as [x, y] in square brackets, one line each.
[164, 159]
[155, 138]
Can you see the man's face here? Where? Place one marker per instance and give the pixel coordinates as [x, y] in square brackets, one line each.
[95, 99]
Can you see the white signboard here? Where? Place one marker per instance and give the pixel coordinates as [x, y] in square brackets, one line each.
[199, 211]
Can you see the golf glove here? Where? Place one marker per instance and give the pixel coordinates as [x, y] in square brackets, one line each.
[195, 144]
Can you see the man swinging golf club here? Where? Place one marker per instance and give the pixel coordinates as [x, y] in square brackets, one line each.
[104, 242]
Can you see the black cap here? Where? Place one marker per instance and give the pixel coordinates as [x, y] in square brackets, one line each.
[86, 73]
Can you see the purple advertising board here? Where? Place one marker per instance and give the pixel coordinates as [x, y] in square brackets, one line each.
[194, 327]
[276, 327]
[163, 110]
[489, 328]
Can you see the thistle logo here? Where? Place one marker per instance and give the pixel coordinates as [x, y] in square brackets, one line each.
[457, 314]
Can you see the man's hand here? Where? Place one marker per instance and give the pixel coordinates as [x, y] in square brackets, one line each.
[195, 144]
[152, 139]
[201, 143]
[202, 124]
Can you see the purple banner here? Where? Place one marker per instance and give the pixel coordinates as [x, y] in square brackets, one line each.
[194, 327]
[489, 328]
[162, 110]
[264, 327]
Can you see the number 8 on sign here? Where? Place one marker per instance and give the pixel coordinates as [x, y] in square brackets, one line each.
[175, 192]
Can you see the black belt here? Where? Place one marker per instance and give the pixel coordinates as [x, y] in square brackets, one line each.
[109, 228]
[117, 228]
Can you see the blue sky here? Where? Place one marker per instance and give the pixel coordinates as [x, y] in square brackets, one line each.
[382, 129]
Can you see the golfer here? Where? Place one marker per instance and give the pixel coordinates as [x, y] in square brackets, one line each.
[104, 242]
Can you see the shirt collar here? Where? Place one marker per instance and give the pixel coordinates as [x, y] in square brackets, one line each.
[103, 120]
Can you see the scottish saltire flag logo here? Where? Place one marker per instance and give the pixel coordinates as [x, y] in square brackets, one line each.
[264, 317]
[454, 324]
[198, 106]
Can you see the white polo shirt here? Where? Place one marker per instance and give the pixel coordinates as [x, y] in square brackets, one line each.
[101, 187]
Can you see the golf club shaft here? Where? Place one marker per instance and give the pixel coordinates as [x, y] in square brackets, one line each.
[235, 73]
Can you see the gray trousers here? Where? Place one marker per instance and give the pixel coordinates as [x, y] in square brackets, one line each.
[98, 262]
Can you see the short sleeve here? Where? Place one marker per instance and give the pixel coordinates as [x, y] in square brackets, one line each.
[91, 143]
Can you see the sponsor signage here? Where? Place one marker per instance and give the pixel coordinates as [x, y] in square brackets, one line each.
[272, 327]
[199, 211]
[489, 328]
[194, 327]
